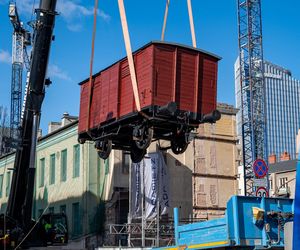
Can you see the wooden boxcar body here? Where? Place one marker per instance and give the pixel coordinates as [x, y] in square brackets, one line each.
[177, 87]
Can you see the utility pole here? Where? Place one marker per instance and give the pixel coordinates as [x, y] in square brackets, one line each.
[252, 87]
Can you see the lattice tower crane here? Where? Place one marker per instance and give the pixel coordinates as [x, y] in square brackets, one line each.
[252, 87]
[20, 40]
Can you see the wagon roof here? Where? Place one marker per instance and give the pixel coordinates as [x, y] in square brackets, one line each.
[158, 42]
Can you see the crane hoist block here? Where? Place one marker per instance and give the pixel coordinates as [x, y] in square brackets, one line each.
[177, 88]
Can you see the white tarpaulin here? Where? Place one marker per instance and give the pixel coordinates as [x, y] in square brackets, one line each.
[155, 186]
[164, 187]
[151, 186]
[136, 195]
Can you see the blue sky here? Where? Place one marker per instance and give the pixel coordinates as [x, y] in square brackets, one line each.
[216, 31]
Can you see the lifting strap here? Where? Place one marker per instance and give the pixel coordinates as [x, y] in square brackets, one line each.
[191, 19]
[129, 54]
[91, 64]
[129, 50]
[189, 4]
[165, 20]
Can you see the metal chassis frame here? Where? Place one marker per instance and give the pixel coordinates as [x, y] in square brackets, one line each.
[164, 125]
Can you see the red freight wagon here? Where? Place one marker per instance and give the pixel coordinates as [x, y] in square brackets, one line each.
[177, 88]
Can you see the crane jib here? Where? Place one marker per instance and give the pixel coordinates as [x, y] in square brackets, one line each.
[20, 199]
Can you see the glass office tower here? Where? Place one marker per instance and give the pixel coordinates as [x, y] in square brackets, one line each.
[282, 108]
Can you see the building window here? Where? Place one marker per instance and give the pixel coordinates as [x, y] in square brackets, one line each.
[42, 172]
[1, 184]
[213, 152]
[201, 188]
[125, 163]
[271, 183]
[52, 169]
[106, 166]
[51, 210]
[200, 165]
[63, 209]
[76, 219]
[40, 212]
[63, 164]
[76, 160]
[7, 189]
[283, 182]
[201, 200]
[213, 194]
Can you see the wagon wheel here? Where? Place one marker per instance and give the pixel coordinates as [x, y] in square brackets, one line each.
[103, 148]
[137, 154]
[179, 144]
[81, 140]
[143, 136]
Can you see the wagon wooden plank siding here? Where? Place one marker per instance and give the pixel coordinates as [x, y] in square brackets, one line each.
[166, 73]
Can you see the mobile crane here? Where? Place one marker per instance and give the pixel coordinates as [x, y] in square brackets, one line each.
[17, 228]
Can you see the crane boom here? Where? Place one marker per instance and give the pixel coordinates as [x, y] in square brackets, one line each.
[20, 199]
[17, 226]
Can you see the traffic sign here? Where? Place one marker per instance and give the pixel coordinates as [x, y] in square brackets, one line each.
[260, 168]
[260, 182]
[262, 192]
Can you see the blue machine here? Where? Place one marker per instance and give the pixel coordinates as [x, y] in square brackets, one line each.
[296, 232]
[249, 223]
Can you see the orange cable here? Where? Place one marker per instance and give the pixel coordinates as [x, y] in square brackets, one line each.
[91, 63]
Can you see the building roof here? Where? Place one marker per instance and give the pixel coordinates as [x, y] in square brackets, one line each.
[74, 123]
[157, 42]
[227, 109]
[71, 124]
[286, 71]
[283, 166]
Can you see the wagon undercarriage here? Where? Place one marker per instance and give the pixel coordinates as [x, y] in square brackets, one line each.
[135, 132]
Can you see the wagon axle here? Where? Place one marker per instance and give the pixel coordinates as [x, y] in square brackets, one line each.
[142, 136]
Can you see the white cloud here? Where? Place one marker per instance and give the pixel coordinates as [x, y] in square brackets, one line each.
[72, 11]
[104, 15]
[26, 7]
[5, 56]
[76, 27]
[55, 71]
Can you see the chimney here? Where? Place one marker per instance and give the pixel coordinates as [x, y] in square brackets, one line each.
[67, 119]
[285, 156]
[272, 159]
[39, 133]
[53, 126]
